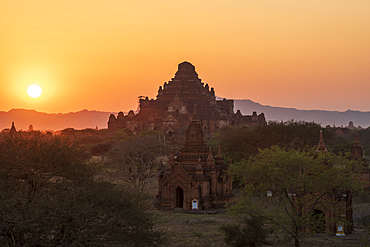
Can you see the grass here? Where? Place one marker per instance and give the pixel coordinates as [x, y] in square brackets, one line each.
[193, 229]
[203, 230]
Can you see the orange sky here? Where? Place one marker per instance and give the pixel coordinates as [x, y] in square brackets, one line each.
[102, 55]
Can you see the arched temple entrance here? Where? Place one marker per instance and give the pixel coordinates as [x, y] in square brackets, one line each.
[179, 197]
[318, 221]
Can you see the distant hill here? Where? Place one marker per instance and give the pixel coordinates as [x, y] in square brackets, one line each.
[43, 121]
[318, 116]
[90, 119]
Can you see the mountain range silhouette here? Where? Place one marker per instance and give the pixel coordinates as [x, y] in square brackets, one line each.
[92, 119]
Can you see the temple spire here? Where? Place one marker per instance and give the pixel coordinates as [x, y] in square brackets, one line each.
[13, 131]
[357, 152]
[321, 146]
[171, 160]
[219, 156]
[357, 142]
[210, 155]
[195, 113]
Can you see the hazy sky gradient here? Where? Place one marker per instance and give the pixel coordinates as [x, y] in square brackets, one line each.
[102, 55]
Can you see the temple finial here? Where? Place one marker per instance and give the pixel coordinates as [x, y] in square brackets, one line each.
[357, 142]
[13, 131]
[219, 156]
[195, 113]
[357, 152]
[321, 147]
[210, 155]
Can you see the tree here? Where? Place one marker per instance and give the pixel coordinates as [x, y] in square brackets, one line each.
[250, 232]
[236, 143]
[138, 158]
[150, 133]
[68, 132]
[121, 135]
[90, 139]
[295, 178]
[289, 134]
[101, 149]
[240, 143]
[49, 197]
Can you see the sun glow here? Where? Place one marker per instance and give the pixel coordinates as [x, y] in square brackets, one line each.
[34, 91]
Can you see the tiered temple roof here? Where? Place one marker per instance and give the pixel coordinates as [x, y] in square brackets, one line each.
[173, 107]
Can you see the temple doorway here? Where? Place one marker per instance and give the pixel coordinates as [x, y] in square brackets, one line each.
[318, 221]
[179, 197]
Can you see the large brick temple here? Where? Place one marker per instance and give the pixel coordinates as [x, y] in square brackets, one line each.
[194, 175]
[174, 105]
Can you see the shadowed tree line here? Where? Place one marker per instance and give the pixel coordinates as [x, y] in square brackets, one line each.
[134, 158]
[240, 143]
[49, 196]
[137, 157]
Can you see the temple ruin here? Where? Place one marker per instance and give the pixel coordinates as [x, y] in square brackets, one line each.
[194, 175]
[174, 104]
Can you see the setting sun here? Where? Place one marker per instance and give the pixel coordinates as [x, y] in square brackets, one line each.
[296, 54]
[34, 91]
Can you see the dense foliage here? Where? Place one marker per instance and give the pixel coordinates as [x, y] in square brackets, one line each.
[250, 232]
[139, 158]
[49, 197]
[287, 174]
[240, 143]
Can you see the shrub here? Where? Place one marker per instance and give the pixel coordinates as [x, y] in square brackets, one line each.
[250, 232]
[49, 197]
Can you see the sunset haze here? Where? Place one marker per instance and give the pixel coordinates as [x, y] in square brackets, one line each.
[103, 55]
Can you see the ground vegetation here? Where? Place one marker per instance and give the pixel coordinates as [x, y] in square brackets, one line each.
[50, 196]
[251, 231]
[294, 178]
[139, 159]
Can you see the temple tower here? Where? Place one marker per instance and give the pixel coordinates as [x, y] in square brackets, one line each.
[357, 152]
[194, 174]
